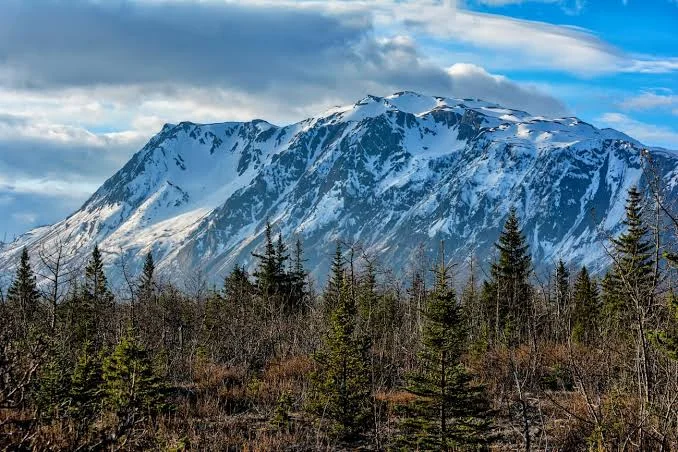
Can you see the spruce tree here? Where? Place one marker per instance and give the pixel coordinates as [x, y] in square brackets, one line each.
[147, 280]
[417, 295]
[131, 387]
[562, 299]
[95, 303]
[631, 284]
[448, 412]
[298, 276]
[586, 309]
[266, 275]
[283, 280]
[632, 289]
[23, 294]
[86, 385]
[281, 257]
[227, 312]
[510, 282]
[337, 271]
[146, 294]
[341, 383]
[611, 303]
[96, 284]
[367, 299]
[334, 284]
[52, 387]
[237, 286]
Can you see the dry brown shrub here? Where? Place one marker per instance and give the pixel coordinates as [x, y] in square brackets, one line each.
[209, 375]
[289, 374]
[393, 398]
[216, 389]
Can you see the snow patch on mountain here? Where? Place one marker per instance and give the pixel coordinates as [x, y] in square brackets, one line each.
[389, 172]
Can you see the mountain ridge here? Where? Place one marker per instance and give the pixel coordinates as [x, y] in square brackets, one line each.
[390, 172]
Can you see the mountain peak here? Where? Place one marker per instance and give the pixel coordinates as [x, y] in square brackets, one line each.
[389, 172]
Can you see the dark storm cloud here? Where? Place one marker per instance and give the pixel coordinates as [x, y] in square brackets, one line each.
[74, 43]
[290, 55]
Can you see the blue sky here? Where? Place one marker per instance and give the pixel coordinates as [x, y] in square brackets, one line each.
[637, 28]
[85, 83]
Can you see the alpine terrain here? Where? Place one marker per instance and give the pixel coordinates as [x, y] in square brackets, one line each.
[390, 173]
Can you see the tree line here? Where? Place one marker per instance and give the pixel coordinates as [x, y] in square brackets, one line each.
[371, 360]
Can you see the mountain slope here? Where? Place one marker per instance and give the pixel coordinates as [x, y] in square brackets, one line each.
[391, 173]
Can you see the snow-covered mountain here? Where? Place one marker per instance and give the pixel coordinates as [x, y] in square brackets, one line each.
[390, 173]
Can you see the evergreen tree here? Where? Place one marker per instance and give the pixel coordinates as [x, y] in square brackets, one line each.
[448, 412]
[86, 383]
[510, 282]
[611, 304]
[562, 299]
[586, 309]
[147, 280]
[96, 284]
[96, 303]
[298, 276]
[237, 286]
[416, 298]
[368, 299]
[145, 308]
[227, 313]
[131, 387]
[267, 273]
[52, 388]
[631, 290]
[341, 382]
[23, 294]
[283, 280]
[271, 276]
[337, 272]
[335, 283]
[631, 283]
[281, 256]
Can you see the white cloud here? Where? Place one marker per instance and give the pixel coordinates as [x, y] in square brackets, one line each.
[542, 45]
[650, 100]
[649, 65]
[647, 133]
[532, 44]
[569, 7]
[474, 81]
